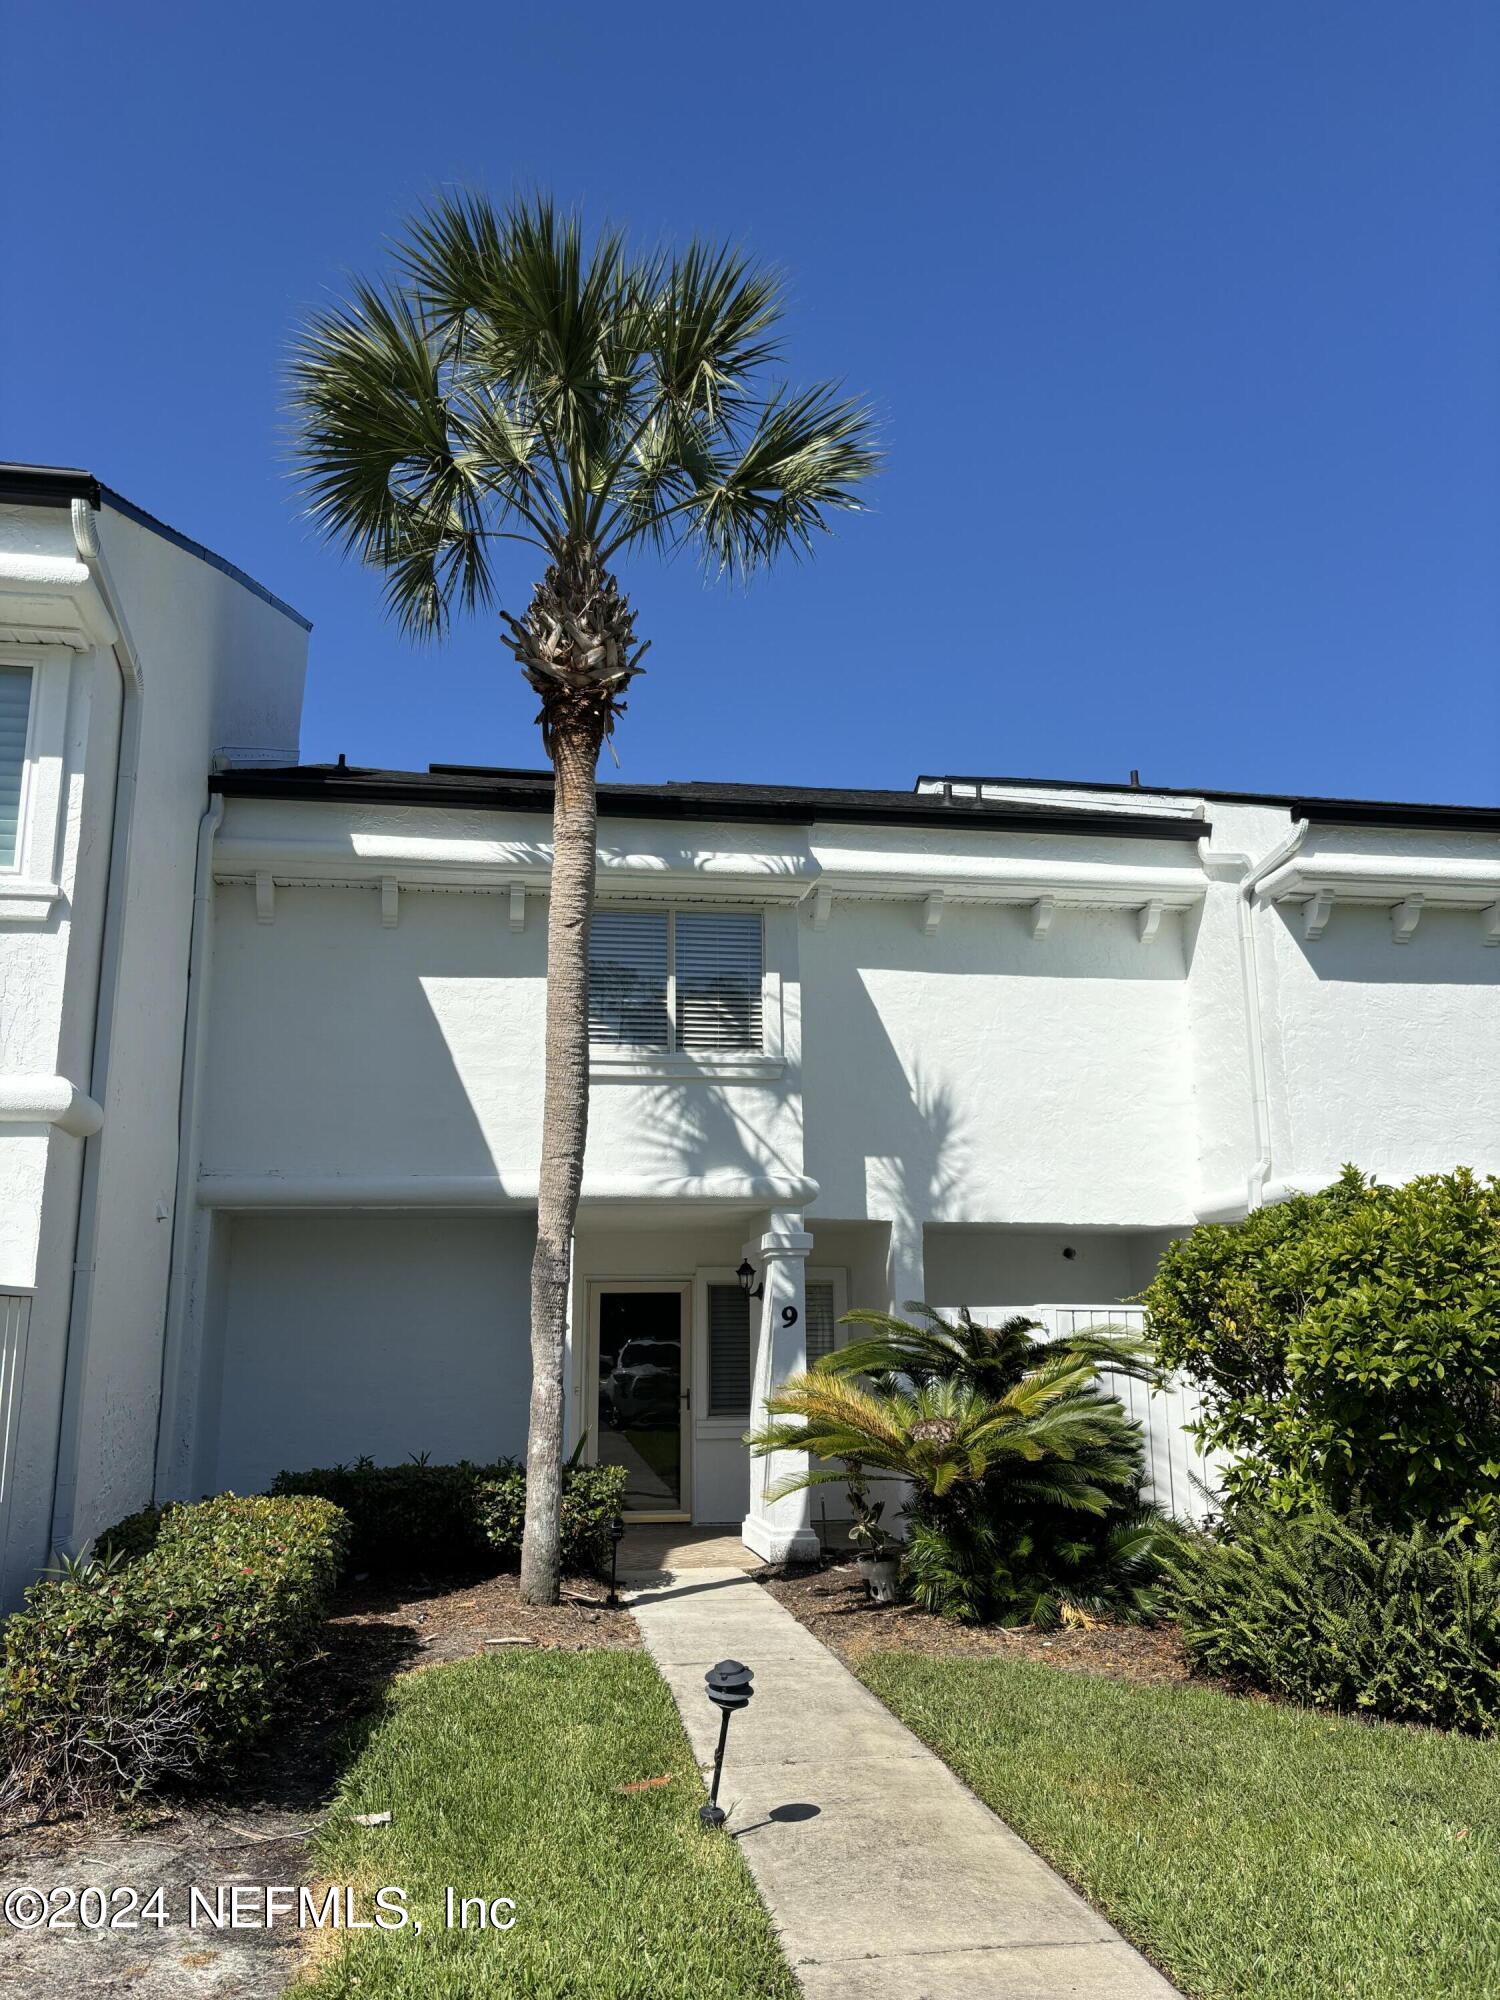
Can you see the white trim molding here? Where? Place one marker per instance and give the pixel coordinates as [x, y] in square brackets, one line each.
[513, 1191]
[1406, 885]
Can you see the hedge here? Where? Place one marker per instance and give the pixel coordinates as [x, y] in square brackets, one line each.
[436, 1519]
[172, 1649]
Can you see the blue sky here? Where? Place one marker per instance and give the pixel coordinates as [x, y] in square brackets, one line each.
[1181, 320]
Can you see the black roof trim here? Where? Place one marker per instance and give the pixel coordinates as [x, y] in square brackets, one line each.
[48, 485]
[1328, 812]
[61, 485]
[775, 805]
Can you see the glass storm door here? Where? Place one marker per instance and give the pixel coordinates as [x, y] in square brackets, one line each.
[642, 1395]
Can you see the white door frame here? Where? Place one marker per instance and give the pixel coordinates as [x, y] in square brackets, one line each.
[684, 1290]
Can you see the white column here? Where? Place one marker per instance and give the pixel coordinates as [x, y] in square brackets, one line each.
[779, 1530]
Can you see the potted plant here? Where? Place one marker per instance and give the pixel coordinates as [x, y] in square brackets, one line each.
[877, 1562]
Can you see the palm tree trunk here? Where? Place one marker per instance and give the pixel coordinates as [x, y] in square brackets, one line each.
[575, 736]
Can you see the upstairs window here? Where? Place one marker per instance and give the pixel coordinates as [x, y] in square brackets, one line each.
[15, 718]
[677, 980]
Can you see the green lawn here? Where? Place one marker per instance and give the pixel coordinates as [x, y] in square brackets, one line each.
[504, 1776]
[1256, 1853]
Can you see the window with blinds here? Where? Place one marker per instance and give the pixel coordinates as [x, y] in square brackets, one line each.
[677, 979]
[15, 715]
[628, 979]
[821, 1323]
[729, 1343]
[728, 1353]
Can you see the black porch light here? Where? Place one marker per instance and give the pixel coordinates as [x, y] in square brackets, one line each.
[728, 1689]
[746, 1276]
[616, 1536]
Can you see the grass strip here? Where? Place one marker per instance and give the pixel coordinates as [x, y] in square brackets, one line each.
[509, 1776]
[1255, 1852]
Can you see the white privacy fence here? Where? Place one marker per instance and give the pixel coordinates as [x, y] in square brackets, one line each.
[1178, 1470]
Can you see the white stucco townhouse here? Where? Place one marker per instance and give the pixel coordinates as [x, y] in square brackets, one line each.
[270, 1059]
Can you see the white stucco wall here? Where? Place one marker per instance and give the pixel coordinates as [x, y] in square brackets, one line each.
[389, 1336]
[982, 1076]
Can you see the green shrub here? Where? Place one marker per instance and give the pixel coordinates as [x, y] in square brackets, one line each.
[1345, 1614]
[592, 1495]
[407, 1519]
[121, 1672]
[436, 1519]
[131, 1537]
[1347, 1346]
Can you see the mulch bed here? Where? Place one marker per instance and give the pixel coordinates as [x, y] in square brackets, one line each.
[832, 1604]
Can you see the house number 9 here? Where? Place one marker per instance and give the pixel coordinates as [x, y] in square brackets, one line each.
[788, 1315]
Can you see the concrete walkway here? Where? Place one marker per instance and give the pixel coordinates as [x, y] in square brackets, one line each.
[886, 1878]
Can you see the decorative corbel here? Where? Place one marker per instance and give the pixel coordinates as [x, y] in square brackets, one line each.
[932, 913]
[1490, 918]
[1315, 914]
[1148, 921]
[1043, 910]
[518, 906]
[265, 897]
[390, 901]
[822, 906]
[1405, 917]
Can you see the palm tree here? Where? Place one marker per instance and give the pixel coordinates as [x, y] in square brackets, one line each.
[514, 382]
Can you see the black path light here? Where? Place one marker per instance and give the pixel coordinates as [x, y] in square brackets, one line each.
[616, 1536]
[728, 1689]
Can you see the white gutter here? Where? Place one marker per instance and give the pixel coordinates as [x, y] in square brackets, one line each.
[132, 698]
[189, 1103]
[1260, 1110]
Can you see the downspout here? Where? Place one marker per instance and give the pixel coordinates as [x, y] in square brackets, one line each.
[185, 1208]
[1260, 1109]
[127, 760]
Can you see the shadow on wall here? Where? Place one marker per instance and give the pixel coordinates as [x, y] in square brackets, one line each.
[1357, 946]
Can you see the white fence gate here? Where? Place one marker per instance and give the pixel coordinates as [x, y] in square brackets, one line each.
[1178, 1469]
[1181, 1478]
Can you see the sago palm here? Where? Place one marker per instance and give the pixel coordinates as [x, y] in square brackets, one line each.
[511, 384]
[1052, 1435]
[1024, 1469]
[931, 1348]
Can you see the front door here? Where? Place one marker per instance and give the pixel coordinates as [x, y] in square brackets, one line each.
[642, 1397]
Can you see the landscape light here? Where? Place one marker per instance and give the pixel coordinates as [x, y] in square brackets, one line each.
[728, 1689]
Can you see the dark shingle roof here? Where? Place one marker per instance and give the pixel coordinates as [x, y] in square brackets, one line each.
[510, 790]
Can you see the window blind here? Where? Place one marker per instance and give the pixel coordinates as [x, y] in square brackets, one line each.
[677, 979]
[628, 979]
[822, 1327]
[728, 1353]
[15, 712]
[718, 966]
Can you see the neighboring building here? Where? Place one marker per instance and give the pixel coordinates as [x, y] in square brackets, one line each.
[989, 1042]
[129, 659]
